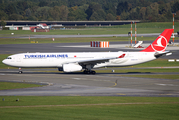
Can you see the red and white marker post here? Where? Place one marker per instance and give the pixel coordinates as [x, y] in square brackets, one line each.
[173, 27]
[135, 34]
[131, 33]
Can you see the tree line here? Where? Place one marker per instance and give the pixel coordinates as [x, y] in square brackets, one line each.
[89, 10]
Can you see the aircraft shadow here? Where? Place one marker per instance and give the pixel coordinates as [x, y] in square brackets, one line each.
[74, 73]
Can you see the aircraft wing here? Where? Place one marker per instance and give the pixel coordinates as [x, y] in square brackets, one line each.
[100, 60]
[94, 61]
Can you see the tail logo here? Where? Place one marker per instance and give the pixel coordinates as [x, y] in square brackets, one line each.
[160, 44]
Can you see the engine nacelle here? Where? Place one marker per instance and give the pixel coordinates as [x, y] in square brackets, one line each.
[71, 67]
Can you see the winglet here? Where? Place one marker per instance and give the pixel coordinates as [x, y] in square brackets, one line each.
[160, 44]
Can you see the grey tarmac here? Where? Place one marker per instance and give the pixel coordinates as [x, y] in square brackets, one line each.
[78, 84]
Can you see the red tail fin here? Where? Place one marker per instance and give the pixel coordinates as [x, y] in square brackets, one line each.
[160, 44]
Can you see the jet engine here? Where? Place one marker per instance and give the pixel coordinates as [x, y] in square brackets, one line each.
[71, 67]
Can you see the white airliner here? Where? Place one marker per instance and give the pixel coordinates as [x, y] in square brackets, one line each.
[77, 61]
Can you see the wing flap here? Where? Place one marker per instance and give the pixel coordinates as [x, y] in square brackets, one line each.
[95, 61]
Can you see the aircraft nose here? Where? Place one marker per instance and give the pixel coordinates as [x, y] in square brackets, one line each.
[4, 61]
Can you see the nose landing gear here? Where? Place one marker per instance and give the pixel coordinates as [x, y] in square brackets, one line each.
[20, 71]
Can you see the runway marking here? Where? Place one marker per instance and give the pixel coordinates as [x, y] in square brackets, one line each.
[165, 84]
[2, 74]
[115, 83]
[76, 105]
[77, 78]
[165, 94]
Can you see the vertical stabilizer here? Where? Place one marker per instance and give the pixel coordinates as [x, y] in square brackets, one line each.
[160, 44]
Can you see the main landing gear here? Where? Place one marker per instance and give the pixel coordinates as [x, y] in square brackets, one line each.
[89, 72]
[20, 71]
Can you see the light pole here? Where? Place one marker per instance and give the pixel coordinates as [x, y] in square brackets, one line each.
[173, 26]
[131, 33]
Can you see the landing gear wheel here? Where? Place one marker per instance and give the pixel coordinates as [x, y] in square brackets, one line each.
[85, 72]
[89, 72]
[93, 72]
[20, 71]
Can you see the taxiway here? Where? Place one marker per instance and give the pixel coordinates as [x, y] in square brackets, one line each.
[77, 84]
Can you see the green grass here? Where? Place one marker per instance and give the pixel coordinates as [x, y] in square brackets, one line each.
[86, 31]
[173, 76]
[163, 25]
[154, 27]
[78, 100]
[12, 85]
[89, 108]
[113, 112]
[158, 63]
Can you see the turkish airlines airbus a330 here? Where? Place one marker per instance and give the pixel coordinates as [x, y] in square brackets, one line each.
[77, 61]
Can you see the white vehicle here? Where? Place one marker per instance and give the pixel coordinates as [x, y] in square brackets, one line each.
[77, 61]
[43, 26]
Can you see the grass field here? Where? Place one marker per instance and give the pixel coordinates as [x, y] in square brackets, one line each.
[10, 85]
[159, 76]
[163, 25]
[158, 63]
[85, 31]
[121, 29]
[88, 108]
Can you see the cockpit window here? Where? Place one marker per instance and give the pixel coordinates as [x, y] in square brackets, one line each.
[9, 58]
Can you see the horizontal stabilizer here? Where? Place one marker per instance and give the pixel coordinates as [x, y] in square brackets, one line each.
[159, 54]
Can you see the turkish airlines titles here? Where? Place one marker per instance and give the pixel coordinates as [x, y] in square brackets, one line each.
[47, 56]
